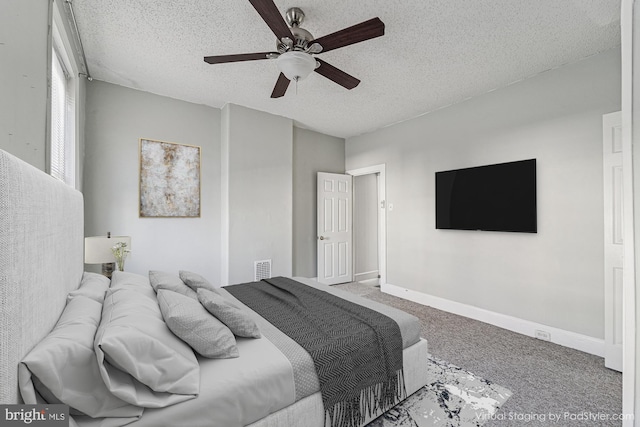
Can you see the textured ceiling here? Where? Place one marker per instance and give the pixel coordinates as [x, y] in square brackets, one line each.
[433, 54]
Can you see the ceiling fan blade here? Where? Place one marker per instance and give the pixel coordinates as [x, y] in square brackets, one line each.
[271, 15]
[336, 75]
[281, 86]
[358, 33]
[220, 59]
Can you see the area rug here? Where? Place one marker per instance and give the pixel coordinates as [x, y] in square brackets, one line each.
[454, 398]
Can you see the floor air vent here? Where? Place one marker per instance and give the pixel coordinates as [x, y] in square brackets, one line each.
[262, 270]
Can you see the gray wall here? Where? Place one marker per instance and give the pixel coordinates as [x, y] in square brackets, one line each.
[116, 118]
[313, 152]
[554, 277]
[365, 226]
[24, 75]
[249, 212]
[257, 152]
[24, 54]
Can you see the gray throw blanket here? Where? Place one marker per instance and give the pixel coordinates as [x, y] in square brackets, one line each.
[357, 352]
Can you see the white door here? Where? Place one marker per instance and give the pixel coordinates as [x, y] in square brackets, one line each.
[613, 239]
[335, 234]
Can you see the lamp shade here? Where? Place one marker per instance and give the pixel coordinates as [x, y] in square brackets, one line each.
[296, 65]
[97, 250]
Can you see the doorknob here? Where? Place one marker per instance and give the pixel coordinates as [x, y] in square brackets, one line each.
[322, 238]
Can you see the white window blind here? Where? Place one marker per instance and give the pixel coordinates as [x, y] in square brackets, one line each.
[62, 152]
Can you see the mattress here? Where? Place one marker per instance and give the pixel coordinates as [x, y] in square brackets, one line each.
[273, 377]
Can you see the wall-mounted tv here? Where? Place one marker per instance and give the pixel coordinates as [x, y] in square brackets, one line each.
[500, 197]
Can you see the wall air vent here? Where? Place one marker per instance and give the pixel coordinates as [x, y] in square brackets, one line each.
[262, 270]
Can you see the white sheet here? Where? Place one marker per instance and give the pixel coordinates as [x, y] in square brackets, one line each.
[233, 392]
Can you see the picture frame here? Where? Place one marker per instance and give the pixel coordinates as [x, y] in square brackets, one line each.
[169, 179]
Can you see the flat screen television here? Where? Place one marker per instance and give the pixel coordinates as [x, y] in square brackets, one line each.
[500, 197]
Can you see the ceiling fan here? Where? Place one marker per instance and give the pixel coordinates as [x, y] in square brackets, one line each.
[295, 47]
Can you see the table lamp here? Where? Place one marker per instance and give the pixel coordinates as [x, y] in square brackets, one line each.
[97, 250]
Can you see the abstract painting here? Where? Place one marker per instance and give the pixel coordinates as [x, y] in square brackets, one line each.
[169, 180]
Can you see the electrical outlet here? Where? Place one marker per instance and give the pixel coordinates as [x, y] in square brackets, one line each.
[543, 335]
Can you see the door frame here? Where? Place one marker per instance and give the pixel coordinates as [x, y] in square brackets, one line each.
[630, 298]
[380, 170]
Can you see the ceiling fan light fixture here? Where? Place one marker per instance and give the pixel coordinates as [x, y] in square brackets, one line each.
[295, 47]
[296, 65]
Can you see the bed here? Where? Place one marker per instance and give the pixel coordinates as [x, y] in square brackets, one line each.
[41, 262]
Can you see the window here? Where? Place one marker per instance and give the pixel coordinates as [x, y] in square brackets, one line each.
[62, 124]
[62, 162]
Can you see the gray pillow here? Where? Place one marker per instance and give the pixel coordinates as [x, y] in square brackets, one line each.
[140, 360]
[196, 281]
[194, 325]
[237, 320]
[161, 280]
[93, 285]
[63, 367]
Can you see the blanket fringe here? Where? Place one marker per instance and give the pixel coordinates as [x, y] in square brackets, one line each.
[378, 397]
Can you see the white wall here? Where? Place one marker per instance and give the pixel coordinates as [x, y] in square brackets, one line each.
[25, 54]
[554, 277]
[257, 152]
[24, 35]
[313, 152]
[116, 117]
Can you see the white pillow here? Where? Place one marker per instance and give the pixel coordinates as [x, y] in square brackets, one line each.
[92, 286]
[141, 361]
[195, 326]
[63, 367]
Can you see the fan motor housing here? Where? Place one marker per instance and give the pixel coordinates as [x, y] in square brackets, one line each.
[302, 37]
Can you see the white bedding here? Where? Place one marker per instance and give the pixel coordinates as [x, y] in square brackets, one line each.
[233, 392]
[243, 394]
[248, 393]
[258, 389]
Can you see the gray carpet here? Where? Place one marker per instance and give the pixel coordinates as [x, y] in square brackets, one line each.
[544, 378]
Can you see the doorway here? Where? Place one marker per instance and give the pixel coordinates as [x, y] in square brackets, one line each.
[365, 229]
[369, 224]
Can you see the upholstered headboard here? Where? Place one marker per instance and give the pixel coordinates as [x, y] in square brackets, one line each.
[41, 260]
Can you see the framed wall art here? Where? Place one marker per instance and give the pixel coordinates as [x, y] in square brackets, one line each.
[169, 180]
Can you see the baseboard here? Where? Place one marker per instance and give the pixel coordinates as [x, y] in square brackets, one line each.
[368, 275]
[561, 337]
